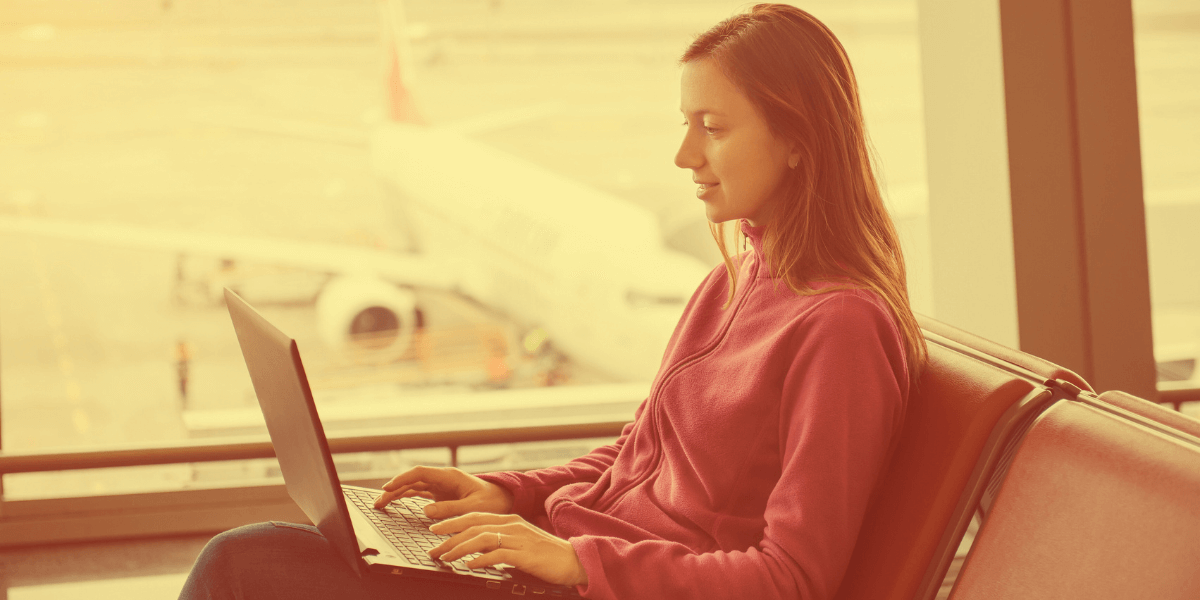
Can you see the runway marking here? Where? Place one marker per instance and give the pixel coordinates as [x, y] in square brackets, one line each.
[58, 337]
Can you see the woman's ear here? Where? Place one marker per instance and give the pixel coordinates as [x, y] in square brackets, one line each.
[793, 155]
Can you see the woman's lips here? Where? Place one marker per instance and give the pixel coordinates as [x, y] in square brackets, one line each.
[703, 189]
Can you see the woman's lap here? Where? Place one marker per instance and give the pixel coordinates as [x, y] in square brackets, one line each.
[269, 561]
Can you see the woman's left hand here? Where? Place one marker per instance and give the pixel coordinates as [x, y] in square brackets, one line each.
[511, 540]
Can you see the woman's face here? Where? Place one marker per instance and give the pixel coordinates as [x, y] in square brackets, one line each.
[736, 161]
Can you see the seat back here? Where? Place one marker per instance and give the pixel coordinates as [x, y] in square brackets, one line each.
[1171, 418]
[966, 408]
[1100, 502]
[1004, 354]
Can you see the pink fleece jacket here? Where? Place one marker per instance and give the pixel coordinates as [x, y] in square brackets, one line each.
[747, 471]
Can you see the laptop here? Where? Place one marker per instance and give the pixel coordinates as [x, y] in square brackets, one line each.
[394, 540]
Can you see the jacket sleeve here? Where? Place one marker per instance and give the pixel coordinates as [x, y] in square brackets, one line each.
[530, 489]
[843, 396]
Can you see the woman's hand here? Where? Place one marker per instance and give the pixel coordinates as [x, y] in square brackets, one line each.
[511, 540]
[453, 491]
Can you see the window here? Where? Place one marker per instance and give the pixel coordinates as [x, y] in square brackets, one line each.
[158, 155]
[1168, 60]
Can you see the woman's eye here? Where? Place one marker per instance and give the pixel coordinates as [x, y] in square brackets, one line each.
[707, 129]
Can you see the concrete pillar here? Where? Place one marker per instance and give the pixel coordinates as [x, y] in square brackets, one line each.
[1069, 252]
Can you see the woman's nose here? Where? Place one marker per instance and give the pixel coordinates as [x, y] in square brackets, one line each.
[688, 156]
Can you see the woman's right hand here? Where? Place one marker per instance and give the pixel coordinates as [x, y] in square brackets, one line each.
[453, 491]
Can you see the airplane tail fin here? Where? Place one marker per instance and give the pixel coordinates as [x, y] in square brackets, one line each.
[399, 103]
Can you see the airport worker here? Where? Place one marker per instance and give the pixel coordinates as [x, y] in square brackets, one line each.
[748, 469]
[183, 358]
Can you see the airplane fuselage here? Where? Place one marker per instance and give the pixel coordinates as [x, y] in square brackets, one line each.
[588, 267]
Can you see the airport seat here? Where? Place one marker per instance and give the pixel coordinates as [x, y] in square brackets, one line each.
[971, 406]
[1100, 502]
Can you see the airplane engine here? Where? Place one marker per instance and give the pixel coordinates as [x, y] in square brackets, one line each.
[366, 317]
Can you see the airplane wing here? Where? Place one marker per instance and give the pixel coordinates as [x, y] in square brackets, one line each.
[314, 256]
[360, 136]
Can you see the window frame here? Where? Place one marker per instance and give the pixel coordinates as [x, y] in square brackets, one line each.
[211, 509]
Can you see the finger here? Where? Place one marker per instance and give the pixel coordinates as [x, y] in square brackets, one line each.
[475, 543]
[472, 519]
[484, 541]
[408, 477]
[450, 508]
[506, 555]
[412, 493]
[433, 475]
[385, 497]
[510, 531]
[400, 491]
[456, 540]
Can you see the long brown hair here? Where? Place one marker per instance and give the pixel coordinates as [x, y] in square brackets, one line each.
[829, 222]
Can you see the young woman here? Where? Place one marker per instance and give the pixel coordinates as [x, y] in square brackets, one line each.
[747, 471]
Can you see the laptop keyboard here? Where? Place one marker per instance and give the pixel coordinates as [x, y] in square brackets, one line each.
[404, 524]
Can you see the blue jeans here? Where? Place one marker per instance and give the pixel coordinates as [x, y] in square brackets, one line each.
[284, 561]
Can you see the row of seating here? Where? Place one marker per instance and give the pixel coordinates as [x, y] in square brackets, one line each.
[1080, 495]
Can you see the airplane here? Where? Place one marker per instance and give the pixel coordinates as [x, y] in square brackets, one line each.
[588, 268]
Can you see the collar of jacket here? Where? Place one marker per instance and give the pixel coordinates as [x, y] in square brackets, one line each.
[755, 235]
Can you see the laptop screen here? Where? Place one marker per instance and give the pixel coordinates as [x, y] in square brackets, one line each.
[300, 445]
